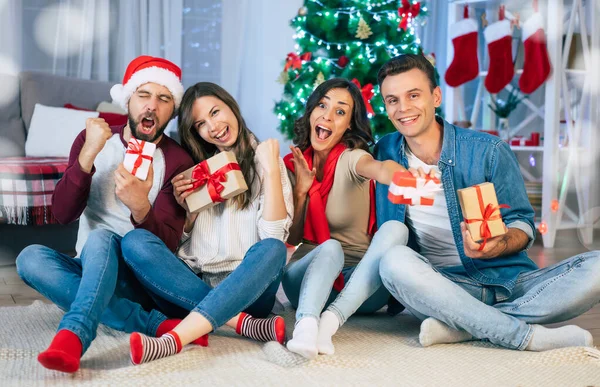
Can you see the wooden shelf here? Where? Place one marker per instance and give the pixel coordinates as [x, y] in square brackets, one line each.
[527, 148]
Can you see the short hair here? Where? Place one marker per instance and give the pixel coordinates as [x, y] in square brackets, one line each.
[406, 62]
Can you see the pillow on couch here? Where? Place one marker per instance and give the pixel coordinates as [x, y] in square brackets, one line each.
[108, 107]
[53, 130]
[112, 119]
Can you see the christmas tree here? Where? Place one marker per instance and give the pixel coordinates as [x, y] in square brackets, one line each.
[350, 39]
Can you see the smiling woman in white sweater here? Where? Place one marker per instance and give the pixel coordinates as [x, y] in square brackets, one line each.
[231, 256]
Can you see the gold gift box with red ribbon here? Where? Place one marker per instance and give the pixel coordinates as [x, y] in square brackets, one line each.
[215, 180]
[407, 189]
[481, 211]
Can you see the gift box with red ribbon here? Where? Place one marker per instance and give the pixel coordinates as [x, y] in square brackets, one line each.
[138, 157]
[407, 189]
[481, 212]
[214, 180]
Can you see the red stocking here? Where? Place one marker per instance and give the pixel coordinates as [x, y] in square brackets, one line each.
[537, 65]
[465, 65]
[499, 42]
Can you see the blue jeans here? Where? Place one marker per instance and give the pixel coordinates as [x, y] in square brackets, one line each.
[97, 287]
[308, 281]
[550, 295]
[365, 287]
[251, 287]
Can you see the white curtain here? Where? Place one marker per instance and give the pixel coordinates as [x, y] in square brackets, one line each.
[148, 27]
[89, 57]
[10, 36]
[233, 43]
[434, 34]
[90, 39]
[256, 37]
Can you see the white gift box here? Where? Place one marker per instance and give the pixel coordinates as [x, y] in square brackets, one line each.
[138, 157]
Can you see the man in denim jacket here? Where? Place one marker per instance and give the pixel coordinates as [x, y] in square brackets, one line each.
[443, 278]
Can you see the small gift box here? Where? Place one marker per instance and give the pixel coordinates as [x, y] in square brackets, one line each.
[407, 189]
[138, 157]
[214, 181]
[533, 140]
[481, 211]
[518, 141]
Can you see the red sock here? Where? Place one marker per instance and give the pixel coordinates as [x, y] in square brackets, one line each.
[170, 324]
[64, 353]
[238, 327]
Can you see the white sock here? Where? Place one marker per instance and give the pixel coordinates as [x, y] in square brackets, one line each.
[328, 325]
[436, 332]
[304, 340]
[544, 339]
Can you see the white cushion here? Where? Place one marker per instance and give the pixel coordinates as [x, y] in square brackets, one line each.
[53, 130]
[108, 107]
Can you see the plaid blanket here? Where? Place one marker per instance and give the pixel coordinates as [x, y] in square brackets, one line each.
[26, 187]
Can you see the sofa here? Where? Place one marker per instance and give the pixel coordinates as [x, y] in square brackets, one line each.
[22, 92]
[46, 89]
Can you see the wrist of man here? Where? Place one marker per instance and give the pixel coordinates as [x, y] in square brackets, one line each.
[140, 213]
[89, 151]
[86, 159]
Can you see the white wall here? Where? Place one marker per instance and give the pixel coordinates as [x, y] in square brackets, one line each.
[256, 37]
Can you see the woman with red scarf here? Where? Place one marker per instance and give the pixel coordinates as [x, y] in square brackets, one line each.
[332, 170]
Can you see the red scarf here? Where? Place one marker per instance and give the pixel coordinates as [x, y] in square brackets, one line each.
[316, 226]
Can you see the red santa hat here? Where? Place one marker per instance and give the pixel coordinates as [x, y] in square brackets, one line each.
[145, 69]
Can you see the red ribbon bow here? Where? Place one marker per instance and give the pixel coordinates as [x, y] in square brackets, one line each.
[295, 61]
[202, 176]
[136, 147]
[406, 12]
[487, 213]
[367, 93]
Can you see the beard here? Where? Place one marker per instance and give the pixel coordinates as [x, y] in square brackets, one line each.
[133, 125]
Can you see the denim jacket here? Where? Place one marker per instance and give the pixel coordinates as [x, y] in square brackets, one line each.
[467, 158]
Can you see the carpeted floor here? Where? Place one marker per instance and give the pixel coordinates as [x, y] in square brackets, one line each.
[376, 350]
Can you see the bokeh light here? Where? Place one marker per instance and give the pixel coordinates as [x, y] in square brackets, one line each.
[63, 29]
[543, 228]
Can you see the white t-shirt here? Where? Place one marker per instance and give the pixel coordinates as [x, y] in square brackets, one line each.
[431, 224]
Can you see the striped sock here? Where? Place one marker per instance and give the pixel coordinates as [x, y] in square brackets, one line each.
[145, 349]
[261, 329]
[170, 324]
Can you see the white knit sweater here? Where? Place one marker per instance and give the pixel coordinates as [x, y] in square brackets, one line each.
[223, 234]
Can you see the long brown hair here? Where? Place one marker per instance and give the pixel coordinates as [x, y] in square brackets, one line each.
[359, 135]
[201, 150]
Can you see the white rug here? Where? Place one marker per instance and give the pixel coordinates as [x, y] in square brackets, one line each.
[377, 350]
